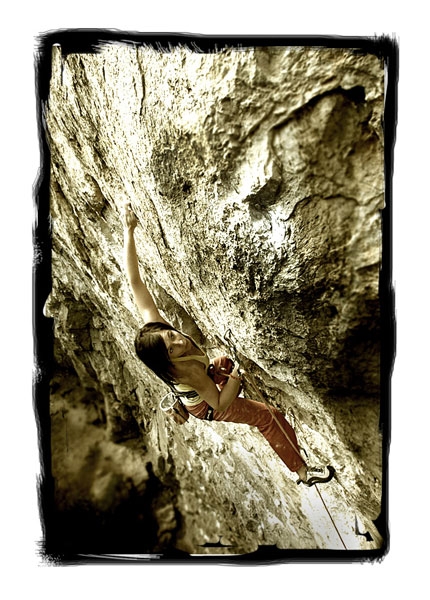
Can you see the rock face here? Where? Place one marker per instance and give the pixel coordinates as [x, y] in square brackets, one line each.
[257, 176]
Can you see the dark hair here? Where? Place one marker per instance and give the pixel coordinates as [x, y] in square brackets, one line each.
[151, 349]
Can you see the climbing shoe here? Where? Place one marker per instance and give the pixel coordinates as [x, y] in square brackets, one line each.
[317, 475]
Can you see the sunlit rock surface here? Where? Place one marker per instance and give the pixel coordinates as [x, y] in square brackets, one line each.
[257, 177]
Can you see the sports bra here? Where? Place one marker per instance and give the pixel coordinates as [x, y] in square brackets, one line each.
[191, 398]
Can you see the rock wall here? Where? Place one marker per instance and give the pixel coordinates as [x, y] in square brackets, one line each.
[257, 175]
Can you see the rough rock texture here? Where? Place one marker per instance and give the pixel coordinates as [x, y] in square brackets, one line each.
[257, 177]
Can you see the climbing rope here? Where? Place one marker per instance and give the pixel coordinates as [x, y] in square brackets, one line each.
[251, 380]
[331, 518]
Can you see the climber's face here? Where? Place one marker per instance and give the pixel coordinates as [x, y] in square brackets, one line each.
[177, 345]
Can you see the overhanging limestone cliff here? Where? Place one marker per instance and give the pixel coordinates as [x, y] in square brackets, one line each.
[257, 176]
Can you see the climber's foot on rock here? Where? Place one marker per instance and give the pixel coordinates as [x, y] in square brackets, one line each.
[311, 475]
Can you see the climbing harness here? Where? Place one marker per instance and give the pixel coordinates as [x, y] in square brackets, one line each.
[172, 403]
[250, 379]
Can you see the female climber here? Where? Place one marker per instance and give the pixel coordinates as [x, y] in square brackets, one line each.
[182, 365]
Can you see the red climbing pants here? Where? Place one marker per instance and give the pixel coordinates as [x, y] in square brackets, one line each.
[257, 414]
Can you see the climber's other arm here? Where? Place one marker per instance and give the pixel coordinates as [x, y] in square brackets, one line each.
[208, 391]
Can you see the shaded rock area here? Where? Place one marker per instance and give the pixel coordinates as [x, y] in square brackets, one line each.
[257, 176]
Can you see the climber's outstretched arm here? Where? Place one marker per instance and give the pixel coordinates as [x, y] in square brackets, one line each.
[142, 297]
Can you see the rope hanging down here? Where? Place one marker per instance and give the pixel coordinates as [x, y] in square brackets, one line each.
[250, 379]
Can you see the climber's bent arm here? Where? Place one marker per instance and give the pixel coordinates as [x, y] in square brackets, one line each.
[142, 297]
[208, 391]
